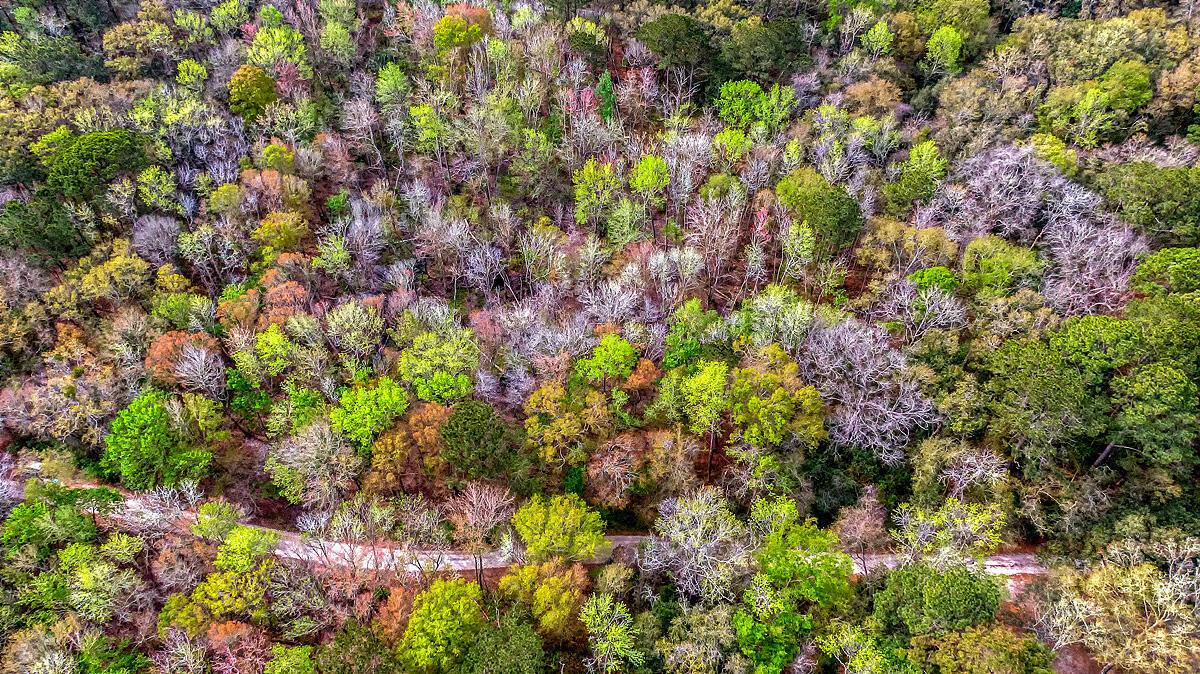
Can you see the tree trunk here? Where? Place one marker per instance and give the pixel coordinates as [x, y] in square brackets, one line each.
[712, 446]
[1104, 455]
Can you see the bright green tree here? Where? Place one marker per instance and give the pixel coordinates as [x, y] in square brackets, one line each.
[215, 519]
[291, 660]
[243, 549]
[612, 359]
[735, 104]
[706, 399]
[274, 45]
[440, 366]
[144, 451]
[611, 634]
[445, 620]
[596, 185]
[878, 41]
[562, 526]
[802, 578]
[943, 51]
[919, 178]
[649, 177]
[1170, 270]
[366, 411]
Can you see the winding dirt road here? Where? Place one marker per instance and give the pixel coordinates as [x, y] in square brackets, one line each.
[402, 558]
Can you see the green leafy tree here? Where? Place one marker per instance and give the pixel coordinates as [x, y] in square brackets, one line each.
[857, 650]
[763, 50]
[878, 40]
[649, 177]
[440, 366]
[47, 519]
[1159, 201]
[552, 593]
[251, 90]
[969, 18]
[1127, 83]
[338, 43]
[679, 41]
[993, 267]
[919, 178]
[277, 45]
[192, 74]
[291, 660]
[107, 655]
[81, 166]
[453, 32]
[1043, 403]
[611, 634]
[736, 102]
[769, 402]
[728, 148]
[949, 534]
[445, 620]
[943, 52]
[706, 399]
[596, 185]
[982, 649]
[1158, 409]
[475, 442]
[562, 526]
[608, 99]
[144, 451]
[366, 411]
[829, 210]
[359, 648]
[512, 647]
[1170, 270]
[612, 359]
[244, 548]
[215, 519]
[802, 577]
[228, 16]
[919, 599]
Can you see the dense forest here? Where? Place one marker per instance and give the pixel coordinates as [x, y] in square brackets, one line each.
[520, 337]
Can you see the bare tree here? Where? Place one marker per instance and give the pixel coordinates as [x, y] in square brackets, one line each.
[317, 464]
[919, 310]
[874, 405]
[864, 526]
[360, 121]
[700, 544]
[1093, 257]
[475, 512]
[980, 467]
[155, 238]
[201, 370]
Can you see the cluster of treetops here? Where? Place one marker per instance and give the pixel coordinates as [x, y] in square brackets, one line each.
[333, 288]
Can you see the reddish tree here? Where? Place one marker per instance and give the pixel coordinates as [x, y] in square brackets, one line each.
[238, 648]
[477, 16]
[241, 311]
[165, 352]
[282, 301]
[613, 470]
